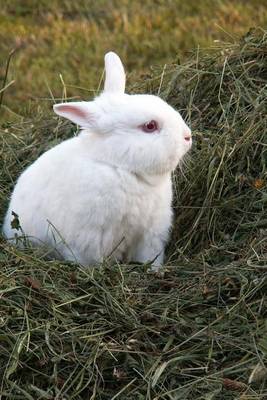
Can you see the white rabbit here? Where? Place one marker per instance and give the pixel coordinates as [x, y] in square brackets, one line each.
[106, 192]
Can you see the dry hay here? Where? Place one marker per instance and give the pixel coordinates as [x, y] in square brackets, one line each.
[197, 330]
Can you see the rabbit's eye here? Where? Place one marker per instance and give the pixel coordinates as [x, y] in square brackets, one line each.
[150, 126]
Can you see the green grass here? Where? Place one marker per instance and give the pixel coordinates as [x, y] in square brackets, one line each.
[70, 38]
[198, 329]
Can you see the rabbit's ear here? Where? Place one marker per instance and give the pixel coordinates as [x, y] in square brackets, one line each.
[115, 75]
[80, 112]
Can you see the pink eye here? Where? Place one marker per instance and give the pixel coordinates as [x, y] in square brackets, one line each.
[150, 126]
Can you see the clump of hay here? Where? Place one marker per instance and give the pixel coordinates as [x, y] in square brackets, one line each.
[198, 330]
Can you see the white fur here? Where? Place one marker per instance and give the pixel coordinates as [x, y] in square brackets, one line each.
[106, 192]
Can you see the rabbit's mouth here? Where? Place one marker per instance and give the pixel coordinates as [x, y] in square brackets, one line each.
[188, 143]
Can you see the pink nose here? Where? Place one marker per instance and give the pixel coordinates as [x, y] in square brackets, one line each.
[187, 136]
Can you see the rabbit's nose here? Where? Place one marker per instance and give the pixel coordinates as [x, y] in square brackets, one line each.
[187, 135]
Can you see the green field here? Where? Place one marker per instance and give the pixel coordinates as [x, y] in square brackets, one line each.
[198, 329]
[60, 44]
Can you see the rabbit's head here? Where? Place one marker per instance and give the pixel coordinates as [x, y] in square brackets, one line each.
[140, 133]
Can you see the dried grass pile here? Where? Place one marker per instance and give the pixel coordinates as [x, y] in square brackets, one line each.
[198, 330]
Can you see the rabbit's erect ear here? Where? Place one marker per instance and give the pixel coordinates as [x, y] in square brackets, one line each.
[115, 75]
[81, 112]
